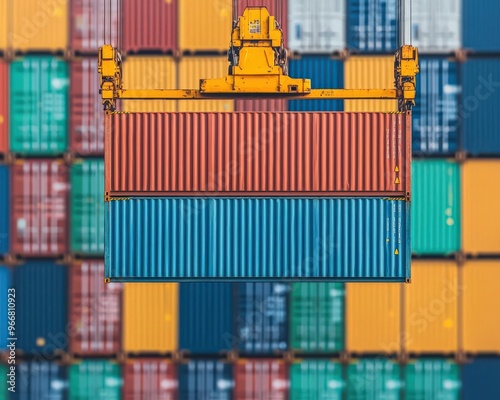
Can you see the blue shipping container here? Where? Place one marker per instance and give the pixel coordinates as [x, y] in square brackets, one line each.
[324, 73]
[41, 308]
[481, 379]
[371, 26]
[435, 116]
[478, 112]
[171, 239]
[205, 379]
[480, 25]
[205, 317]
[261, 317]
[4, 306]
[40, 380]
[4, 208]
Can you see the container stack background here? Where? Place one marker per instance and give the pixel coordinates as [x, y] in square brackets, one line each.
[438, 337]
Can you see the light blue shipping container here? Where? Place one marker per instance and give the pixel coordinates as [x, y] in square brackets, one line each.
[5, 285]
[480, 25]
[171, 239]
[4, 209]
[205, 379]
[40, 380]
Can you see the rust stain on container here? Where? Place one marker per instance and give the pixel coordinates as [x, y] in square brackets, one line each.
[258, 154]
[39, 199]
[261, 379]
[4, 106]
[150, 378]
[94, 309]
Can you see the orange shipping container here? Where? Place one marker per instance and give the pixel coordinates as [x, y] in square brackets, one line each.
[373, 318]
[481, 207]
[3, 24]
[431, 308]
[4, 108]
[481, 302]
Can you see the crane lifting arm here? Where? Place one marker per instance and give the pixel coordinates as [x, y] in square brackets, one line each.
[258, 69]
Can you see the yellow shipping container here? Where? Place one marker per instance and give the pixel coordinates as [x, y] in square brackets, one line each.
[431, 308]
[149, 73]
[481, 302]
[191, 70]
[373, 317]
[150, 317]
[481, 207]
[369, 73]
[39, 25]
[205, 25]
[3, 24]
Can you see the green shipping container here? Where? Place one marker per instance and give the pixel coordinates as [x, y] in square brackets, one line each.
[95, 380]
[373, 379]
[39, 105]
[316, 379]
[4, 393]
[431, 379]
[317, 317]
[87, 207]
[436, 207]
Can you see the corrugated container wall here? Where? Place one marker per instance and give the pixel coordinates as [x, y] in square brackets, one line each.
[376, 378]
[325, 73]
[205, 26]
[39, 25]
[480, 379]
[431, 308]
[209, 330]
[258, 154]
[95, 380]
[151, 25]
[4, 392]
[38, 120]
[371, 26]
[317, 317]
[149, 379]
[480, 326]
[479, 116]
[87, 207]
[480, 26]
[3, 23]
[40, 380]
[317, 26]
[436, 208]
[94, 310]
[150, 72]
[369, 73]
[7, 303]
[261, 317]
[260, 105]
[260, 379]
[316, 379]
[205, 379]
[4, 106]
[4, 209]
[374, 308]
[86, 135]
[480, 221]
[87, 27]
[432, 379]
[39, 197]
[435, 116]
[257, 238]
[150, 318]
[192, 69]
[41, 319]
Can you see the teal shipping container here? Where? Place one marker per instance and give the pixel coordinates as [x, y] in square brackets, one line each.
[95, 380]
[39, 106]
[317, 317]
[4, 393]
[436, 208]
[316, 379]
[432, 379]
[373, 379]
[87, 207]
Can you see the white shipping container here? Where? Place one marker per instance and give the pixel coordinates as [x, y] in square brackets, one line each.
[316, 26]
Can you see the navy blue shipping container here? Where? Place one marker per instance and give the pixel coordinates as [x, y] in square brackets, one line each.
[480, 25]
[324, 73]
[205, 379]
[4, 209]
[481, 379]
[260, 322]
[41, 308]
[435, 116]
[205, 317]
[5, 294]
[371, 26]
[479, 112]
[40, 380]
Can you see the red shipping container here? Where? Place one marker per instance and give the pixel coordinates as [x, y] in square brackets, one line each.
[87, 24]
[86, 115]
[39, 206]
[149, 25]
[255, 105]
[271, 154]
[261, 379]
[150, 379]
[4, 106]
[94, 310]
